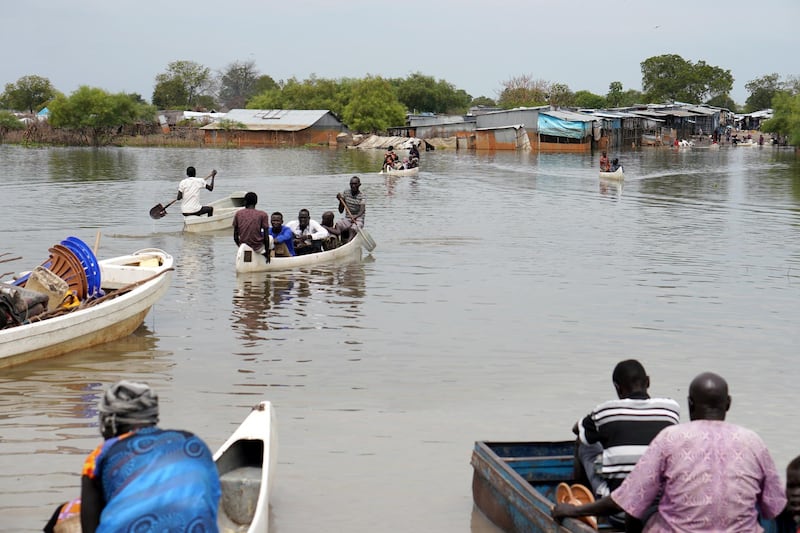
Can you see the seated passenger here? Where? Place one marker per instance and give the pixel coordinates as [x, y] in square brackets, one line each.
[332, 240]
[308, 234]
[615, 165]
[282, 237]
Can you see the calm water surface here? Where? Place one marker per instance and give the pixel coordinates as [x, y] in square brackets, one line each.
[503, 290]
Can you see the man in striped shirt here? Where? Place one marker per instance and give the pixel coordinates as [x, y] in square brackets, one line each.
[617, 432]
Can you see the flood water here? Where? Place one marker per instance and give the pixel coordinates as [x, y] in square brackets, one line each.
[503, 290]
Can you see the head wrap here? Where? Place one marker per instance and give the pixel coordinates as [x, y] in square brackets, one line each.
[125, 404]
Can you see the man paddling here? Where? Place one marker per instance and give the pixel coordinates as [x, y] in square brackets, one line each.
[189, 192]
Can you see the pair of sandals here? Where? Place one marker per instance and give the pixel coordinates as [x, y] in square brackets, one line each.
[576, 495]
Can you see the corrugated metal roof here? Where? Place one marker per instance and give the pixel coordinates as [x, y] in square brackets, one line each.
[272, 119]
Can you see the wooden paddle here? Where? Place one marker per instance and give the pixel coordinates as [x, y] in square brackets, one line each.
[159, 211]
[369, 242]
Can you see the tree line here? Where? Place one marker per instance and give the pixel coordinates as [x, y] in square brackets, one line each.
[374, 103]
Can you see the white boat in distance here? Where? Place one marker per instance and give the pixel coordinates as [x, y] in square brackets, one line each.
[131, 283]
[245, 463]
[249, 261]
[400, 171]
[618, 174]
[224, 211]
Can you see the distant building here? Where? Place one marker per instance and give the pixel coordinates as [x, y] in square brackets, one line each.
[274, 127]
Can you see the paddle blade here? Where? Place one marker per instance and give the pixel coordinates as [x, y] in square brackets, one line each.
[366, 238]
[158, 211]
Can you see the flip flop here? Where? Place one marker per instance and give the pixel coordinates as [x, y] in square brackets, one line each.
[563, 493]
[582, 495]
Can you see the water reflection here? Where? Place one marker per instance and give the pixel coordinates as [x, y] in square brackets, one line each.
[91, 164]
[611, 187]
[314, 298]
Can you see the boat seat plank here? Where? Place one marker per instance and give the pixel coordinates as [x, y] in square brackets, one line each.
[240, 489]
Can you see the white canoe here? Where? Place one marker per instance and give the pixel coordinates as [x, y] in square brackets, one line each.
[249, 261]
[245, 463]
[224, 211]
[401, 172]
[618, 174]
[143, 276]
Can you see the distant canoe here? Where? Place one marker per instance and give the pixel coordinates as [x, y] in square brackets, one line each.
[224, 211]
[616, 175]
[401, 172]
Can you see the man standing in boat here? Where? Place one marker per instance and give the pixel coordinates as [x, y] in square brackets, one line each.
[354, 202]
[605, 166]
[189, 193]
[251, 226]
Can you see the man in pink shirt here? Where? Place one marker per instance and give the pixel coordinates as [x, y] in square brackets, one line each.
[711, 475]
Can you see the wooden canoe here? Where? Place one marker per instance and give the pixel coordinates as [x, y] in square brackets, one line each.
[224, 211]
[514, 484]
[249, 261]
[132, 285]
[618, 174]
[401, 171]
[246, 462]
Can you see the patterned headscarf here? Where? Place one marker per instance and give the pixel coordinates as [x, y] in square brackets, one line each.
[125, 404]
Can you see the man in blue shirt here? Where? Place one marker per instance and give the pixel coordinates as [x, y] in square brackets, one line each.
[282, 236]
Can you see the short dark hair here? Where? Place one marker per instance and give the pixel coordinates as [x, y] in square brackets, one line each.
[191, 172]
[629, 373]
[250, 198]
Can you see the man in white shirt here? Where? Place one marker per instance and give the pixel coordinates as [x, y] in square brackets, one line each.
[308, 234]
[189, 193]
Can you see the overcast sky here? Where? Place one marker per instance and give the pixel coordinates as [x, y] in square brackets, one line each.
[121, 45]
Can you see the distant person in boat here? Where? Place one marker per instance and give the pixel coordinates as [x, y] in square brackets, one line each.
[143, 478]
[617, 432]
[604, 164]
[308, 234]
[704, 475]
[251, 226]
[282, 237]
[789, 520]
[615, 165]
[390, 158]
[356, 204]
[413, 151]
[327, 222]
[189, 193]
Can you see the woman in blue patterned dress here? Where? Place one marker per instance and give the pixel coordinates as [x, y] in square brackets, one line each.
[143, 478]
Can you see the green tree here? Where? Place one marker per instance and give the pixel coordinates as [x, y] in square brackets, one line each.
[785, 117]
[523, 91]
[423, 94]
[761, 92]
[723, 101]
[264, 83]
[8, 122]
[670, 77]
[560, 95]
[93, 113]
[483, 101]
[373, 106]
[181, 85]
[614, 94]
[589, 100]
[29, 93]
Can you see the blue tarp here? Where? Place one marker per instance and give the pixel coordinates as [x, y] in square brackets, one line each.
[563, 128]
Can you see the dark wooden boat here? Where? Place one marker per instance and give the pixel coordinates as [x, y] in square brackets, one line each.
[514, 484]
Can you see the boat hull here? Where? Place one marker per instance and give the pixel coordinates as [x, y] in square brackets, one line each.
[514, 484]
[618, 174]
[246, 462]
[249, 261]
[105, 322]
[401, 172]
[224, 211]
